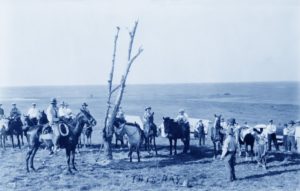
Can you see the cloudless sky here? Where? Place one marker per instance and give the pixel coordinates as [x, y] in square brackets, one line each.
[70, 42]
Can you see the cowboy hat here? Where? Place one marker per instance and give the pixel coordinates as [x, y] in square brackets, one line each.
[271, 121]
[53, 100]
[147, 108]
[181, 111]
[33, 103]
[13, 104]
[231, 121]
[292, 122]
[84, 104]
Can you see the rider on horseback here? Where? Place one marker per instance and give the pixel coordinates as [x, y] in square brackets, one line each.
[182, 117]
[120, 115]
[15, 112]
[1, 112]
[148, 118]
[33, 114]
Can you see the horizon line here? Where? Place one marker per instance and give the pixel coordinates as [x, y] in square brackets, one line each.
[134, 84]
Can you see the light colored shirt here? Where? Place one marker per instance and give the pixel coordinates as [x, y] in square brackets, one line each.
[285, 131]
[68, 113]
[61, 112]
[229, 145]
[182, 117]
[271, 128]
[33, 112]
[52, 114]
[291, 130]
[146, 116]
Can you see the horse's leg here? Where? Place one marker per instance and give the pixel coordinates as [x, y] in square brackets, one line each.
[170, 141]
[138, 153]
[32, 157]
[73, 159]
[28, 157]
[215, 149]
[22, 139]
[154, 145]
[68, 153]
[19, 143]
[175, 146]
[130, 154]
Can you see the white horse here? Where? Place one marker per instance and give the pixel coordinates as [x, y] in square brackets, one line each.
[135, 137]
[3, 129]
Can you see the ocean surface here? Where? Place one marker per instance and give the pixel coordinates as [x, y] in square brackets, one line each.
[251, 102]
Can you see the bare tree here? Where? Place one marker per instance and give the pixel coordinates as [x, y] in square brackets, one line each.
[111, 115]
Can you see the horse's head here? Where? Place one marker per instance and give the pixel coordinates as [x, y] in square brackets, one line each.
[42, 118]
[87, 118]
[217, 123]
[168, 124]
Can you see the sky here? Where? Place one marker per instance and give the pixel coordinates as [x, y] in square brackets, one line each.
[70, 42]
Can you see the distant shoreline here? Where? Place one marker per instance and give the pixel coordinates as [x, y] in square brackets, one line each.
[157, 84]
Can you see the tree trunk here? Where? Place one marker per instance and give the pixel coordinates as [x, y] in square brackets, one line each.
[109, 121]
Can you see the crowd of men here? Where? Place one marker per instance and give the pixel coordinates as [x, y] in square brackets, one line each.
[53, 112]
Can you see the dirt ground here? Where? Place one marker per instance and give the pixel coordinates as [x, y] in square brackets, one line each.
[194, 171]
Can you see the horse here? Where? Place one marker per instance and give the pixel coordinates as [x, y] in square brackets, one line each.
[175, 130]
[150, 132]
[134, 134]
[217, 135]
[67, 139]
[3, 129]
[15, 128]
[245, 137]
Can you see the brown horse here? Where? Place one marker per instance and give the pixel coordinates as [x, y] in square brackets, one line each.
[15, 128]
[69, 141]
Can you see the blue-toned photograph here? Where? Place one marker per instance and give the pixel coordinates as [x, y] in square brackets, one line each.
[138, 95]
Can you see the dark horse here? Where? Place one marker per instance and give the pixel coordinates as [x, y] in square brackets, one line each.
[175, 130]
[69, 142]
[217, 135]
[15, 128]
[150, 132]
[245, 137]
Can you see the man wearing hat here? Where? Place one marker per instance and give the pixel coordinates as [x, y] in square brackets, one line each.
[61, 110]
[1, 112]
[52, 112]
[84, 107]
[229, 150]
[291, 143]
[271, 131]
[182, 117]
[33, 114]
[15, 112]
[147, 115]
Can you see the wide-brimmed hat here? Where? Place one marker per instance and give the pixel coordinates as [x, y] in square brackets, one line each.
[147, 108]
[231, 121]
[84, 104]
[13, 104]
[33, 103]
[271, 121]
[181, 111]
[53, 100]
[291, 122]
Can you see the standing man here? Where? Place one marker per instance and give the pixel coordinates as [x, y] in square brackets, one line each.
[291, 142]
[1, 112]
[271, 131]
[200, 129]
[229, 151]
[33, 114]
